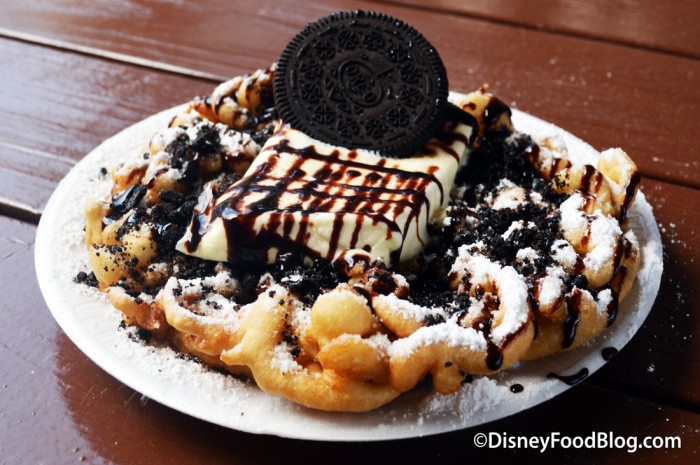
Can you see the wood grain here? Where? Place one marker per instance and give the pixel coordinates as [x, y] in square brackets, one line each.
[666, 26]
[60, 105]
[58, 407]
[663, 359]
[21, 167]
[608, 95]
[64, 104]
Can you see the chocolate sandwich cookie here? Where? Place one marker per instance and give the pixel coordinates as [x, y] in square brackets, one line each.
[362, 80]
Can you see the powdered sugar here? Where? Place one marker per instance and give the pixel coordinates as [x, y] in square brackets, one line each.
[165, 137]
[481, 395]
[449, 333]
[301, 317]
[378, 341]
[124, 169]
[573, 218]
[528, 254]
[604, 298]
[550, 290]
[201, 303]
[407, 309]
[515, 226]
[512, 289]
[605, 232]
[346, 293]
[159, 360]
[281, 359]
[509, 195]
[563, 253]
[236, 143]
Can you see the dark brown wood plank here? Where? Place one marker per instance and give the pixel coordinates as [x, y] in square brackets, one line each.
[64, 104]
[666, 26]
[216, 36]
[663, 360]
[58, 407]
[607, 94]
[29, 177]
[58, 106]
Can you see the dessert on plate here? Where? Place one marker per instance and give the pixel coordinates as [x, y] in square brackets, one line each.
[340, 228]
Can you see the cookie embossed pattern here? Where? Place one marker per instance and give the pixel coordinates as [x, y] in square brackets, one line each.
[218, 314]
[362, 80]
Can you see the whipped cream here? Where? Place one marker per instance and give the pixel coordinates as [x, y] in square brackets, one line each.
[330, 202]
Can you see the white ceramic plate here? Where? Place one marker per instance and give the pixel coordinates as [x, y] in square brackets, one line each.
[91, 323]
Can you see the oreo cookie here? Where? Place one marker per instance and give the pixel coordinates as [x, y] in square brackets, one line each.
[362, 80]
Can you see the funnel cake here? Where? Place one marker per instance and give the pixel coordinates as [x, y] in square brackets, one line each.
[495, 248]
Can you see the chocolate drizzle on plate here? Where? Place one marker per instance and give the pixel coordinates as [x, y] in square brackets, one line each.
[608, 353]
[572, 379]
[517, 388]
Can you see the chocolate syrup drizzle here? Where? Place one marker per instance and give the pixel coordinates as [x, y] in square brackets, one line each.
[572, 379]
[591, 182]
[573, 317]
[608, 353]
[630, 192]
[319, 193]
[517, 388]
[484, 325]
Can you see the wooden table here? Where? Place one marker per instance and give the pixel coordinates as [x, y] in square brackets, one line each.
[74, 72]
